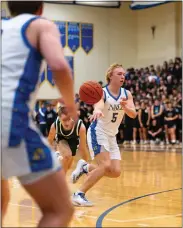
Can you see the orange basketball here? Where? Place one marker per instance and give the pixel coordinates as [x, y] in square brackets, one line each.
[90, 92]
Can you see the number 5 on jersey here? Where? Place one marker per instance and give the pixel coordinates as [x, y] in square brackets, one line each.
[114, 117]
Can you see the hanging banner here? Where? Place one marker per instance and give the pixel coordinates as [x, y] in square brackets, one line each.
[43, 77]
[49, 76]
[87, 37]
[73, 34]
[62, 28]
[138, 5]
[70, 60]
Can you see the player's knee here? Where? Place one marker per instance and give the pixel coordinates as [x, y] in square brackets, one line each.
[68, 157]
[116, 172]
[62, 215]
[107, 167]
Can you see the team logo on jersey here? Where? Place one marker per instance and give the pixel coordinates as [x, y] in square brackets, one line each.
[38, 154]
[115, 107]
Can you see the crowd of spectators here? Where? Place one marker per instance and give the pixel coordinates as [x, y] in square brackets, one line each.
[157, 93]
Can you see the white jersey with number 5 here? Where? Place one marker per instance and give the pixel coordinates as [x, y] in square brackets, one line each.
[113, 112]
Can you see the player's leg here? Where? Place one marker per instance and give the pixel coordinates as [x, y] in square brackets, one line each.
[141, 135]
[46, 182]
[103, 160]
[166, 133]
[144, 132]
[5, 197]
[106, 167]
[52, 196]
[66, 153]
[172, 134]
[82, 167]
[115, 157]
[134, 134]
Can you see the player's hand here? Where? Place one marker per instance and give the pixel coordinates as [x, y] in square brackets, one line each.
[73, 112]
[96, 115]
[123, 102]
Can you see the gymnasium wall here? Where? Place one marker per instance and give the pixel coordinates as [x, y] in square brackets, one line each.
[120, 35]
[113, 39]
[167, 41]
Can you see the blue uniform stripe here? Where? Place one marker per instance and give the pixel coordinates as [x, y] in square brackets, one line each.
[27, 83]
[95, 146]
[39, 154]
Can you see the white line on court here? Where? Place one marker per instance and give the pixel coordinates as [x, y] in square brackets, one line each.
[108, 219]
[144, 225]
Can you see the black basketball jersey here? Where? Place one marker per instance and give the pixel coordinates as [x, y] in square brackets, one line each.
[61, 133]
[170, 113]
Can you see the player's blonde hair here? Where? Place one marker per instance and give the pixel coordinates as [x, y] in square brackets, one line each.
[110, 70]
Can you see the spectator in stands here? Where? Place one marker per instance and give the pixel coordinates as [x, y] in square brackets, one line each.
[136, 124]
[157, 111]
[50, 116]
[170, 118]
[155, 133]
[148, 84]
[83, 114]
[144, 120]
[42, 120]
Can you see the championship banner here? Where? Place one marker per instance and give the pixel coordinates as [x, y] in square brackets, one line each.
[42, 77]
[62, 28]
[73, 35]
[70, 60]
[87, 37]
[49, 76]
[138, 5]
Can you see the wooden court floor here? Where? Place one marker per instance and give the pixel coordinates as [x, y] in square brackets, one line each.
[147, 194]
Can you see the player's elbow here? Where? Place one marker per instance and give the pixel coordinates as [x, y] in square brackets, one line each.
[60, 66]
[133, 115]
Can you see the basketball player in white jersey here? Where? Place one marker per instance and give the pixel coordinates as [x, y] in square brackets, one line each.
[107, 116]
[27, 39]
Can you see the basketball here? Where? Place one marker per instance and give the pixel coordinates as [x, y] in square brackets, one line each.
[90, 92]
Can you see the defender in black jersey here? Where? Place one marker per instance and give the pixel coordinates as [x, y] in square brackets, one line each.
[69, 136]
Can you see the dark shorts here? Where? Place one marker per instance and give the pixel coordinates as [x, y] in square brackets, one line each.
[136, 123]
[73, 145]
[171, 124]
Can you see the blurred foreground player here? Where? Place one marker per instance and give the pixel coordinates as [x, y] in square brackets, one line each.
[26, 40]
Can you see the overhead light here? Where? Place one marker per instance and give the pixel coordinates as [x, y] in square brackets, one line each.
[99, 3]
[89, 3]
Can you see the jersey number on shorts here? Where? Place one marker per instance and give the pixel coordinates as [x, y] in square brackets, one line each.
[114, 117]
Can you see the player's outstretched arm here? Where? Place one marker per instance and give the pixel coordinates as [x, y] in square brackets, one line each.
[128, 106]
[82, 145]
[97, 112]
[50, 47]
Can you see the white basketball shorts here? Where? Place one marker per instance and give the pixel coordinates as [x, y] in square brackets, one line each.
[98, 141]
[26, 154]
